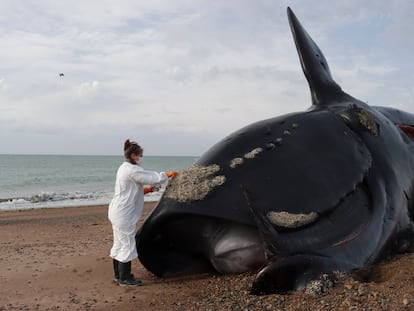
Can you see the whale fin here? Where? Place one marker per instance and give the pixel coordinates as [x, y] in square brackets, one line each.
[324, 89]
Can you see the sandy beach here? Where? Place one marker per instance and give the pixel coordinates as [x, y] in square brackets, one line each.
[57, 259]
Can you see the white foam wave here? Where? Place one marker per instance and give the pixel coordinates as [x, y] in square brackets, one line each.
[59, 200]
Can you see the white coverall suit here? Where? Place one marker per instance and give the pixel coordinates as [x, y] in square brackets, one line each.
[126, 207]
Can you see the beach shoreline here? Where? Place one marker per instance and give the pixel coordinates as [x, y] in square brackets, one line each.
[57, 259]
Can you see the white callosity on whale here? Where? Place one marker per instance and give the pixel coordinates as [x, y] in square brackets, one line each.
[194, 183]
[290, 220]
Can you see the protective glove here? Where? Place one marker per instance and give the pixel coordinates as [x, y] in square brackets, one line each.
[148, 189]
[171, 174]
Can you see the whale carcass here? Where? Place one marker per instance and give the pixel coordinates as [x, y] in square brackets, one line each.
[296, 196]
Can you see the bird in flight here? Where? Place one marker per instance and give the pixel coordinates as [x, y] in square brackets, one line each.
[61, 74]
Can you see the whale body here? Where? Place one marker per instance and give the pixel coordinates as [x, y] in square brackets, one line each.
[326, 190]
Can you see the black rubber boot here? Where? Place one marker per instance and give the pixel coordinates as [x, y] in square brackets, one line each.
[116, 269]
[126, 277]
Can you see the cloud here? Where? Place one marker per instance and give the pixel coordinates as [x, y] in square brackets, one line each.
[180, 75]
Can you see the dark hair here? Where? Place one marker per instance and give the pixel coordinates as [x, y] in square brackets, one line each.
[131, 147]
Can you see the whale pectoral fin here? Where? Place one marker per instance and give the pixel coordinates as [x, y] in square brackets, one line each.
[294, 273]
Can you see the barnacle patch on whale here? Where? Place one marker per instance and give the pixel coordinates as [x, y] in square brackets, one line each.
[290, 220]
[194, 183]
[278, 141]
[249, 156]
[236, 162]
[252, 154]
[367, 120]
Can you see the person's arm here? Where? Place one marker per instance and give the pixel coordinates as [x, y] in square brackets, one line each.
[151, 178]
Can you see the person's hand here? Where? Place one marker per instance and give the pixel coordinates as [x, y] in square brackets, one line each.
[149, 189]
[171, 174]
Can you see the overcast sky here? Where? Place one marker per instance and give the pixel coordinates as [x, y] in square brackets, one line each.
[179, 75]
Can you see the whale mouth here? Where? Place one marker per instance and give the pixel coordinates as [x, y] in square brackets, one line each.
[287, 233]
[168, 250]
[191, 244]
[188, 244]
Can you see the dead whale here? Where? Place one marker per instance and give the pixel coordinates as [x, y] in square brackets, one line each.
[296, 196]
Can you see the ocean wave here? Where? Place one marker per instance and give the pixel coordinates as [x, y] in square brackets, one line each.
[68, 199]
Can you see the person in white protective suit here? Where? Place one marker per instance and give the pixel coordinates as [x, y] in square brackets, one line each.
[126, 207]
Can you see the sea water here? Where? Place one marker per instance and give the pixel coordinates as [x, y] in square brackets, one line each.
[41, 181]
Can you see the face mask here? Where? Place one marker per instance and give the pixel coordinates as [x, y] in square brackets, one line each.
[140, 161]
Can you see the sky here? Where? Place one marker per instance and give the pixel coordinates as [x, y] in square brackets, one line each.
[179, 76]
